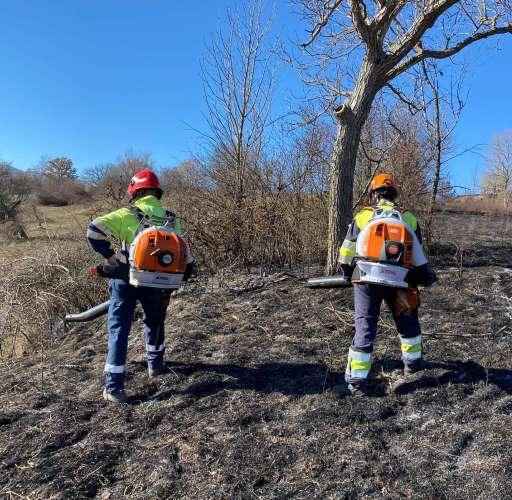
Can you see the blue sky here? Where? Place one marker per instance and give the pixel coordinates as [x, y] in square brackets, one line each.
[91, 79]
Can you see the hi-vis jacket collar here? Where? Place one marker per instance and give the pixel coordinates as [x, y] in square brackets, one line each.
[364, 216]
[149, 204]
[387, 203]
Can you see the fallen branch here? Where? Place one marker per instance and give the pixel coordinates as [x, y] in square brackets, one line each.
[468, 335]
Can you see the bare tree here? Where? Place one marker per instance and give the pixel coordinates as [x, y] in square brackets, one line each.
[238, 82]
[312, 151]
[185, 176]
[359, 47]
[59, 169]
[441, 111]
[94, 176]
[498, 178]
[111, 180]
[14, 191]
[392, 139]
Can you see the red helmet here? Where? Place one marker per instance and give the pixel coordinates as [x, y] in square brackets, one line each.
[145, 179]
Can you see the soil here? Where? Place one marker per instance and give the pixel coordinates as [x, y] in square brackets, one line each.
[255, 406]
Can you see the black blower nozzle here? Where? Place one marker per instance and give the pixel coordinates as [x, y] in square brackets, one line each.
[89, 315]
[328, 282]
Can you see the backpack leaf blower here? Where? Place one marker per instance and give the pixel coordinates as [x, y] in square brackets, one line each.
[386, 250]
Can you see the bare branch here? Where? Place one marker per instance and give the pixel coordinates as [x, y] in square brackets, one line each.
[448, 52]
[321, 24]
[404, 99]
[420, 25]
[359, 16]
[388, 11]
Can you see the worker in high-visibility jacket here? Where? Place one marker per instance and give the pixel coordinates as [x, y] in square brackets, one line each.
[123, 224]
[368, 297]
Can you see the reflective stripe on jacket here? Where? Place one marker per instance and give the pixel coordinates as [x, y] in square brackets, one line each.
[361, 220]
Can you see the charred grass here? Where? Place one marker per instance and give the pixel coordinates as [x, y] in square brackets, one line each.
[254, 405]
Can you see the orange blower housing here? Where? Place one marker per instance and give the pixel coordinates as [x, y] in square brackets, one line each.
[157, 259]
[389, 243]
[386, 249]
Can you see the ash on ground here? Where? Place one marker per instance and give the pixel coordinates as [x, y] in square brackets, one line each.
[254, 405]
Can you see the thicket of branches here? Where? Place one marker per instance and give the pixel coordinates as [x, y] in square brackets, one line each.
[361, 50]
[258, 194]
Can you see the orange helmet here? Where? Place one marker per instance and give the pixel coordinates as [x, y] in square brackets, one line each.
[383, 181]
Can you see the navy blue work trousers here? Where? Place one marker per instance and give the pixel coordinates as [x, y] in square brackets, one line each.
[123, 299]
[367, 303]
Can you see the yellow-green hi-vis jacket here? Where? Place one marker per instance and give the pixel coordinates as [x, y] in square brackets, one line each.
[123, 225]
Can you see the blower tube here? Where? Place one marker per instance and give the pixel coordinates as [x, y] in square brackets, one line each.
[89, 315]
[328, 282]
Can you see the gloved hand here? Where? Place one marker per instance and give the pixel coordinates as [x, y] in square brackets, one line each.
[190, 271]
[430, 276]
[111, 272]
[346, 271]
[112, 261]
[422, 275]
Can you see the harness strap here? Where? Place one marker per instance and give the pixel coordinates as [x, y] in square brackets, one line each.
[141, 216]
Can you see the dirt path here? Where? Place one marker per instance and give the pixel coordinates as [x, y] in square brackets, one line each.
[249, 412]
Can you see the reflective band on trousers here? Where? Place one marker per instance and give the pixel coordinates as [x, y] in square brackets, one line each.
[114, 368]
[359, 356]
[411, 347]
[359, 364]
[154, 348]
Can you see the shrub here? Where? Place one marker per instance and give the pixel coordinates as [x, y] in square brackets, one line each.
[37, 290]
[59, 193]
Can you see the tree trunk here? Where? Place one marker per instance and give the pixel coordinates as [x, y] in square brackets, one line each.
[437, 170]
[351, 118]
[341, 186]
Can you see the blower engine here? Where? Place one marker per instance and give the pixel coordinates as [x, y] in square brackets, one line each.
[386, 249]
[157, 258]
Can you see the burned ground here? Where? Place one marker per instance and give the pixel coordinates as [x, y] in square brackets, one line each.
[255, 407]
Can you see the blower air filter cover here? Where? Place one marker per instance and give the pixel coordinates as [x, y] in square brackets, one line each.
[382, 274]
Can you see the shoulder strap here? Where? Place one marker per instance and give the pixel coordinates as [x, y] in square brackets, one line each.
[141, 215]
[137, 212]
[169, 218]
[170, 215]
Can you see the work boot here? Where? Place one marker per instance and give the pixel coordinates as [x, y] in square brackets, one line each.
[415, 366]
[359, 389]
[118, 397]
[156, 372]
